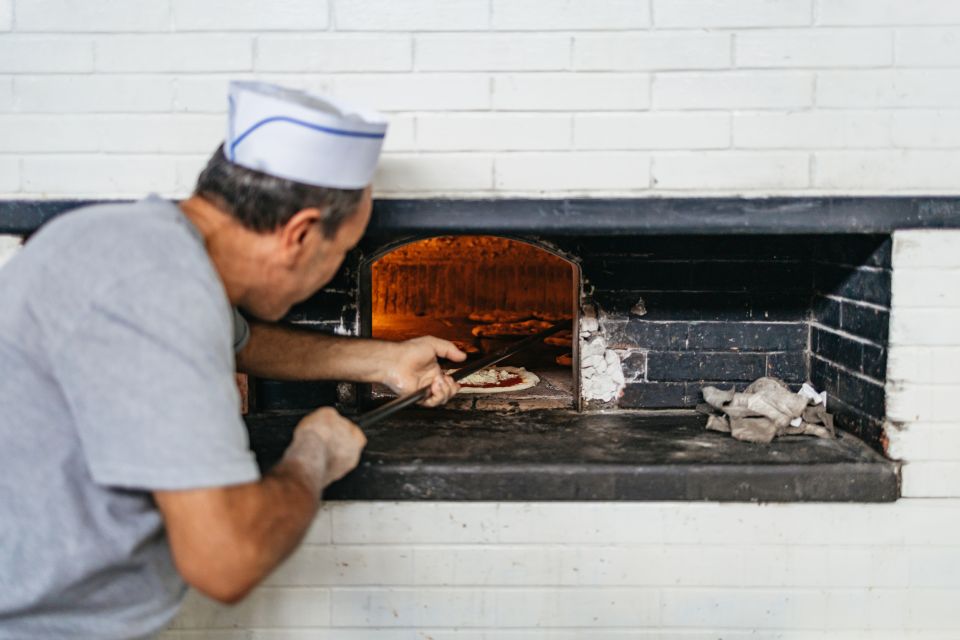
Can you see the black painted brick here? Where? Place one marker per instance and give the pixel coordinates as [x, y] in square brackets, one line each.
[673, 366]
[660, 336]
[827, 311]
[824, 376]
[837, 348]
[752, 276]
[875, 362]
[868, 397]
[709, 306]
[867, 428]
[634, 365]
[747, 336]
[637, 274]
[854, 284]
[868, 250]
[654, 395]
[867, 322]
[789, 366]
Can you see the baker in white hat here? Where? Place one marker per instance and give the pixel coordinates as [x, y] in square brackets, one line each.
[126, 472]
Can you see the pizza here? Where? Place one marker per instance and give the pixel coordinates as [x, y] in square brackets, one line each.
[565, 360]
[498, 316]
[466, 347]
[525, 328]
[498, 380]
[551, 317]
[560, 339]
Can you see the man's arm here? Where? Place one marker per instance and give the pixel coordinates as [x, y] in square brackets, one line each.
[225, 540]
[286, 353]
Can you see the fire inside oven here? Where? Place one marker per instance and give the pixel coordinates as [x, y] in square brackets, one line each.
[482, 293]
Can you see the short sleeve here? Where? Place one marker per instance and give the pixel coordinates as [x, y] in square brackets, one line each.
[148, 373]
[241, 331]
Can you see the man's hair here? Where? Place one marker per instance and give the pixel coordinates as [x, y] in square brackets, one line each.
[263, 203]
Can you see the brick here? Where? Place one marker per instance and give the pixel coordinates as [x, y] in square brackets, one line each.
[860, 285]
[887, 12]
[748, 336]
[413, 15]
[93, 94]
[470, 52]
[249, 15]
[415, 92]
[6, 15]
[572, 607]
[152, 53]
[571, 92]
[789, 366]
[752, 276]
[826, 311]
[703, 365]
[731, 170]
[634, 365]
[930, 364]
[680, 131]
[331, 53]
[919, 129]
[711, 306]
[572, 523]
[572, 171]
[412, 522]
[926, 248]
[102, 16]
[6, 93]
[813, 48]
[101, 176]
[629, 273]
[732, 90]
[889, 89]
[924, 441]
[933, 287]
[931, 480]
[658, 336]
[855, 250]
[345, 566]
[886, 170]
[32, 54]
[410, 607]
[849, 354]
[783, 608]
[654, 395]
[654, 51]
[576, 15]
[401, 133]
[9, 174]
[9, 245]
[493, 132]
[265, 607]
[401, 173]
[812, 130]
[928, 47]
[722, 13]
[911, 402]
[936, 567]
[925, 327]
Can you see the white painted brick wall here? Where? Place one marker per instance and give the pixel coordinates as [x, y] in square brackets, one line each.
[111, 98]
[9, 245]
[860, 90]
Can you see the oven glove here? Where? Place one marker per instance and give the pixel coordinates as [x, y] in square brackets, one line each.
[766, 409]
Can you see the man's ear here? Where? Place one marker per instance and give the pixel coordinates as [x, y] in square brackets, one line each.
[295, 234]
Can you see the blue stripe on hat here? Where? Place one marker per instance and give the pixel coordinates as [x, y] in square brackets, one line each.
[308, 125]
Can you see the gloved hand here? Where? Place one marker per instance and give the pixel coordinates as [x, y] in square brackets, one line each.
[325, 447]
[413, 365]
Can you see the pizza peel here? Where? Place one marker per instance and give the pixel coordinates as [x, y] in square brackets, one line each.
[386, 410]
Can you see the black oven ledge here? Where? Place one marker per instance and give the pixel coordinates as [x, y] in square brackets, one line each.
[609, 216]
[563, 455]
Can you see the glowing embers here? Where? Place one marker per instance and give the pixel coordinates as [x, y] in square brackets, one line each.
[482, 292]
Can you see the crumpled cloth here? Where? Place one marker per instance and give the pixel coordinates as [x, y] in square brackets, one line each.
[767, 409]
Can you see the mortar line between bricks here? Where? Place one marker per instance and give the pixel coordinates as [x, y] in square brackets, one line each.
[846, 334]
[851, 372]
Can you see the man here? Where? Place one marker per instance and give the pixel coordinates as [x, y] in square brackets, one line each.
[124, 467]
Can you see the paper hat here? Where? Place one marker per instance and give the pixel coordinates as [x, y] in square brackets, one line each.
[302, 137]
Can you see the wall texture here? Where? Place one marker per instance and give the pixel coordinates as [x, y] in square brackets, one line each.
[110, 98]
[497, 97]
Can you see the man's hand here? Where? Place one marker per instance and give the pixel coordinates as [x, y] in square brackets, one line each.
[326, 446]
[412, 365]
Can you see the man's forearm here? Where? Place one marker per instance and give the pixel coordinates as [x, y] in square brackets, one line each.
[286, 353]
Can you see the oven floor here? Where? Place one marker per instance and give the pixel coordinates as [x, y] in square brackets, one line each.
[445, 454]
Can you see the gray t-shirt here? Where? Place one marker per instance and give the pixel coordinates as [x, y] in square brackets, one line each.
[116, 378]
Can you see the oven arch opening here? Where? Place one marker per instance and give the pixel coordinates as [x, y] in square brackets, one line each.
[432, 285]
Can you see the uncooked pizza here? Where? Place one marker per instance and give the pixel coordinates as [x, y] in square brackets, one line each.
[466, 347]
[498, 380]
[498, 316]
[525, 328]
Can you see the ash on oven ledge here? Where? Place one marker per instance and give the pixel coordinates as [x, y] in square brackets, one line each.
[444, 454]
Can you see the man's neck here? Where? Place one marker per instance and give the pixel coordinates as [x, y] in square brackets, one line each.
[233, 249]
